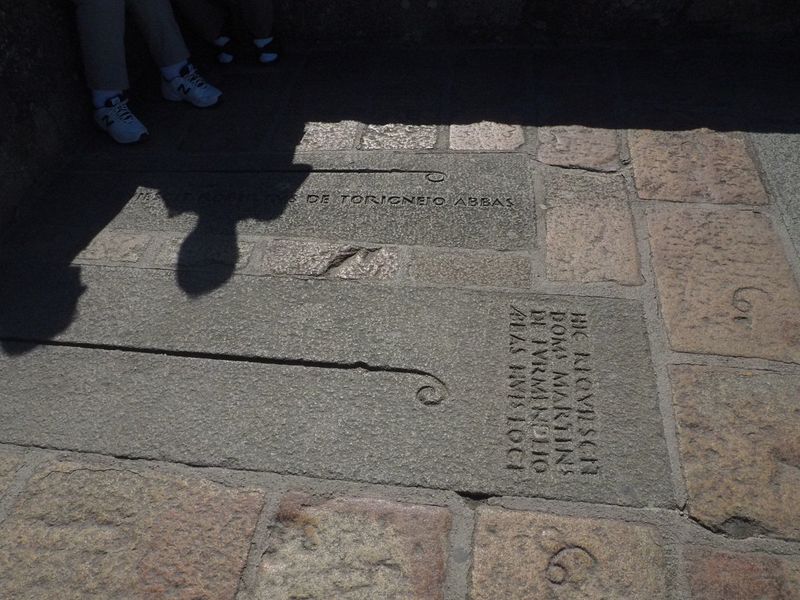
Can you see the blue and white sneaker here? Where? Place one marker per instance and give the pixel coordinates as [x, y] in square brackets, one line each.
[120, 123]
[190, 87]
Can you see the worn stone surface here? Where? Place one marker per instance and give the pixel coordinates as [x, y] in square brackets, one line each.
[523, 555]
[81, 531]
[496, 269]
[116, 247]
[778, 154]
[245, 119]
[471, 201]
[383, 361]
[590, 233]
[486, 135]
[356, 548]
[740, 448]
[474, 22]
[308, 258]
[742, 16]
[715, 575]
[724, 284]
[10, 463]
[396, 136]
[575, 146]
[329, 136]
[39, 85]
[694, 166]
[174, 252]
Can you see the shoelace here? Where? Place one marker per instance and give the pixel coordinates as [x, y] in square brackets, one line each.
[122, 112]
[194, 78]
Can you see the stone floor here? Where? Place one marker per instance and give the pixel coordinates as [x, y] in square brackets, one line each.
[474, 324]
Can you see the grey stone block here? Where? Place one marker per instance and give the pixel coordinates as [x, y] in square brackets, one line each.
[474, 391]
[475, 201]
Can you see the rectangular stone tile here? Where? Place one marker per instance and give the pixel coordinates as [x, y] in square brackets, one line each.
[724, 284]
[590, 234]
[739, 434]
[486, 135]
[397, 136]
[329, 136]
[778, 156]
[469, 201]
[308, 258]
[695, 166]
[81, 531]
[575, 146]
[359, 548]
[525, 555]
[511, 392]
[715, 575]
[495, 269]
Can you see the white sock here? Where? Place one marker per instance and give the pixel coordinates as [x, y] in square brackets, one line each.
[267, 57]
[172, 71]
[261, 42]
[100, 97]
[222, 41]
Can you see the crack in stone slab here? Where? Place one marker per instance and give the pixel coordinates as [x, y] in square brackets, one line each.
[281, 361]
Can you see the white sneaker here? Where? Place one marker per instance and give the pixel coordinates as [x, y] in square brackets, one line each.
[120, 123]
[189, 86]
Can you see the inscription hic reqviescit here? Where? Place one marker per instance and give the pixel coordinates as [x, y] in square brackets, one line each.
[551, 425]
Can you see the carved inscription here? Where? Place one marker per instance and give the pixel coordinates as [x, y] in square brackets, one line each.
[348, 200]
[743, 299]
[367, 199]
[551, 425]
[570, 565]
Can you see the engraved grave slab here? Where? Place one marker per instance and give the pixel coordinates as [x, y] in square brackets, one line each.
[486, 392]
[475, 201]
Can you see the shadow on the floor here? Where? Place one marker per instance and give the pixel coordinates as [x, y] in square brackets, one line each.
[266, 111]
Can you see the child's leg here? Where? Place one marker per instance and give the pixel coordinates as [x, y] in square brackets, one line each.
[101, 25]
[163, 35]
[258, 16]
[206, 17]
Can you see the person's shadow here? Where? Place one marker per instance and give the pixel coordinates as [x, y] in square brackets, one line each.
[237, 164]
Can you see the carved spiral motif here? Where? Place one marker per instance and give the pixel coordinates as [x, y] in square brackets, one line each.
[571, 564]
[743, 298]
[429, 395]
[435, 176]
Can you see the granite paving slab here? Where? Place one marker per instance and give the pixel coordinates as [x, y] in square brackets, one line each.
[81, 531]
[475, 391]
[524, 555]
[354, 548]
[476, 201]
